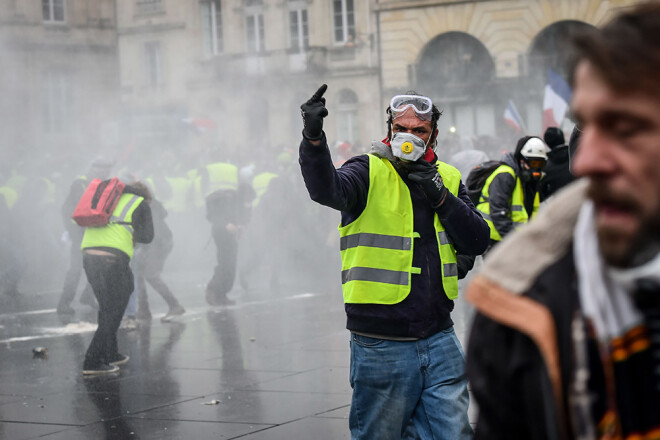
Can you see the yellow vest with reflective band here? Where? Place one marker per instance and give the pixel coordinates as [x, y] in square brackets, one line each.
[260, 184]
[377, 248]
[221, 176]
[518, 213]
[118, 233]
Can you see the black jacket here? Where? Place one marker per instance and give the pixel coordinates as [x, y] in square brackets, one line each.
[557, 172]
[426, 309]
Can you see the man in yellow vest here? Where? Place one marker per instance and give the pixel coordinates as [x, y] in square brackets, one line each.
[405, 215]
[510, 196]
[228, 201]
[107, 252]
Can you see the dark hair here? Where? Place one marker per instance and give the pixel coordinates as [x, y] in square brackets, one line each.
[435, 115]
[141, 190]
[626, 52]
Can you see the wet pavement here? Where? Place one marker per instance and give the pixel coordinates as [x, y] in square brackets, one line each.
[273, 366]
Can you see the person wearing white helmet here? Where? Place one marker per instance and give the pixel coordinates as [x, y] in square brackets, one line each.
[510, 196]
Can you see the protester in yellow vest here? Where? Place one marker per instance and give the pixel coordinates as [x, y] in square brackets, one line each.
[405, 215]
[107, 251]
[228, 202]
[510, 196]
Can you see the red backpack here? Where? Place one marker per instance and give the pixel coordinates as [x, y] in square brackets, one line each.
[98, 202]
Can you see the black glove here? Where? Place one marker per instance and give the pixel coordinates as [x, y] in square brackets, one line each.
[426, 175]
[313, 112]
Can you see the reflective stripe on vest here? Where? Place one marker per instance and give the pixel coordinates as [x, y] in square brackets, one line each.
[118, 233]
[377, 248]
[517, 214]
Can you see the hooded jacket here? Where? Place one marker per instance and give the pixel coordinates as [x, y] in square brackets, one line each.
[426, 309]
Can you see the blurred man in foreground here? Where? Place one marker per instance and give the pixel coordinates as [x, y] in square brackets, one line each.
[566, 344]
[404, 216]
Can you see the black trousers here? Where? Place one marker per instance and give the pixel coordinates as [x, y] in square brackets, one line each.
[224, 274]
[112, 281]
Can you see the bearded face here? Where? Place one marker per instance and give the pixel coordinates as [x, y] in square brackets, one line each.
[620, 154]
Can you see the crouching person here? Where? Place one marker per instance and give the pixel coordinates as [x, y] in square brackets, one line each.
[107, 251]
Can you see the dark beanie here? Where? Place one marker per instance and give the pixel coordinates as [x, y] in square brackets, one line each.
[554, 137]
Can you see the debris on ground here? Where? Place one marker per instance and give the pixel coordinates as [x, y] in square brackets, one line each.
[40, 352]
[212, 402]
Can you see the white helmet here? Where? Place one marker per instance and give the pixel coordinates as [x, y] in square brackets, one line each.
[534, 148]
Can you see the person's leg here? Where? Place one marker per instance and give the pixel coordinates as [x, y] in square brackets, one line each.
[95, 270]
[387, 384]
[225, 270]
[214, 284]
[71, 280]
[122, 287]
[153, 268]
[140, 265]
[443, 410]
[112, 283]
[143, 311]
[228, 265]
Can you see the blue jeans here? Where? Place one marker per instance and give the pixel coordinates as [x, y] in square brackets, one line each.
[409, 389]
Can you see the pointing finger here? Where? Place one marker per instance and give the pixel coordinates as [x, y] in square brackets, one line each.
[319, 93]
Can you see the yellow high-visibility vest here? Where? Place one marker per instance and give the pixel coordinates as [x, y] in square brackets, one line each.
[377, 248]
[517, 212]
[118, 233]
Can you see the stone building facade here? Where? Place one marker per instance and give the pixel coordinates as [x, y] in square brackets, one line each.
[59, 77]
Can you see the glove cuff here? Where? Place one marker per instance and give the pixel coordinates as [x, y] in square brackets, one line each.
[309, 138]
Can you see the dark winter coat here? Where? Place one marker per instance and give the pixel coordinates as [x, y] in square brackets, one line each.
[521, 355]
[557, 172]
[426, 309]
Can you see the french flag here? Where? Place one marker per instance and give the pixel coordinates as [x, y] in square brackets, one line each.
[512, 117]
[555, 101]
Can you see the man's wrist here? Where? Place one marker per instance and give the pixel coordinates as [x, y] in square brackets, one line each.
[441, 202]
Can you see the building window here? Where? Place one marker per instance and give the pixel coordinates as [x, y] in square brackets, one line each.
[154, 73]
[212, 27]
[254, 25]
[53, 11]
[347, 117]
[298, 29]
[344, 20]
[57, 104]
[149, 6]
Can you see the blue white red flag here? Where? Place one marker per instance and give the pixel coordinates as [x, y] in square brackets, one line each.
[512, 117]
[555, 100]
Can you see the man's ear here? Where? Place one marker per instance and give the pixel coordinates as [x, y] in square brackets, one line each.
[434, 138]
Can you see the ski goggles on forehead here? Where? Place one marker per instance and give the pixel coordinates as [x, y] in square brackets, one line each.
[422, 105]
